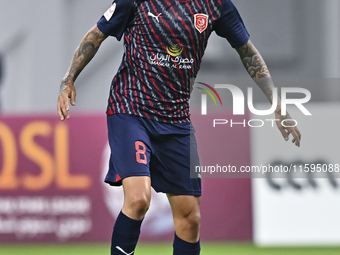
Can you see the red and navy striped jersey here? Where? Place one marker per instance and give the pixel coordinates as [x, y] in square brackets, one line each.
[164, 42]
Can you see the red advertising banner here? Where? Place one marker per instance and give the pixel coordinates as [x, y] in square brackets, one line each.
[226, 207]
[49, 179]
[52, 189]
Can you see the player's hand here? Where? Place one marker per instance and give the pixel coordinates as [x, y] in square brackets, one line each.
[67, 91]
[285, 131]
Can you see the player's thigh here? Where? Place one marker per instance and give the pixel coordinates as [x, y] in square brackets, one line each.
[171, 165]
[184, 206]
[130, 149]
[137, 188]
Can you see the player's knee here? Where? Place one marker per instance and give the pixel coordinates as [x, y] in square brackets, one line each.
[190, 220]
[139, 203]
[194, 219]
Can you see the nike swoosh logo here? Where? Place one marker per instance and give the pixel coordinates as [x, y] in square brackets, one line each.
[124, 252]
[154, 16]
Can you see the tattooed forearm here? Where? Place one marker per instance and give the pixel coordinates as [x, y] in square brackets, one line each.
[84, 53]
[283, 117]
[257, 68]
[253, 61]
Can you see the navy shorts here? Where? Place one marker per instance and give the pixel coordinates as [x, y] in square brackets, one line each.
[162, 151]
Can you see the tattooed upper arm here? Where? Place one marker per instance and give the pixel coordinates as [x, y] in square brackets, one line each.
[252, 61]
[94, 38]
[91, 42]
[98, 34]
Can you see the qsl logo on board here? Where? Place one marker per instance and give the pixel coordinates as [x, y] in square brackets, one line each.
[201, 22]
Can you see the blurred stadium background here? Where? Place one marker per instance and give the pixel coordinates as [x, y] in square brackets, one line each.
[52, 198]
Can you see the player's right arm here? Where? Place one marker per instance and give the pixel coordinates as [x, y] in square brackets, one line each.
[84, 53]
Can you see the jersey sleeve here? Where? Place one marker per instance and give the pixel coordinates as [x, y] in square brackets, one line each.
[116, 19]
[230, 25]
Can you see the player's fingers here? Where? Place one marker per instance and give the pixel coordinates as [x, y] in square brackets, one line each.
[296, 139]
[284, 133]
[73, 97]
[62, 108]
[61, 116]
[65, 106]
[298, 132]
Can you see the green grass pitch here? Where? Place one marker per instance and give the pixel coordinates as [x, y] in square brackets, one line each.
[160, 249]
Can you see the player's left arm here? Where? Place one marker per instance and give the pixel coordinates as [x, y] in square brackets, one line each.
[257, 69]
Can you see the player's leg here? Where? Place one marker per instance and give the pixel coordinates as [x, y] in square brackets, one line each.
[137, 195]
[187, 219]
[129, 166]
[176, 152]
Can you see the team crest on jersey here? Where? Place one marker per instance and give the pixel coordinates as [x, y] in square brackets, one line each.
[201, 22]
[108, 14]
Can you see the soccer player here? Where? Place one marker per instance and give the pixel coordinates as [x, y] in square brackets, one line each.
[151, 139]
